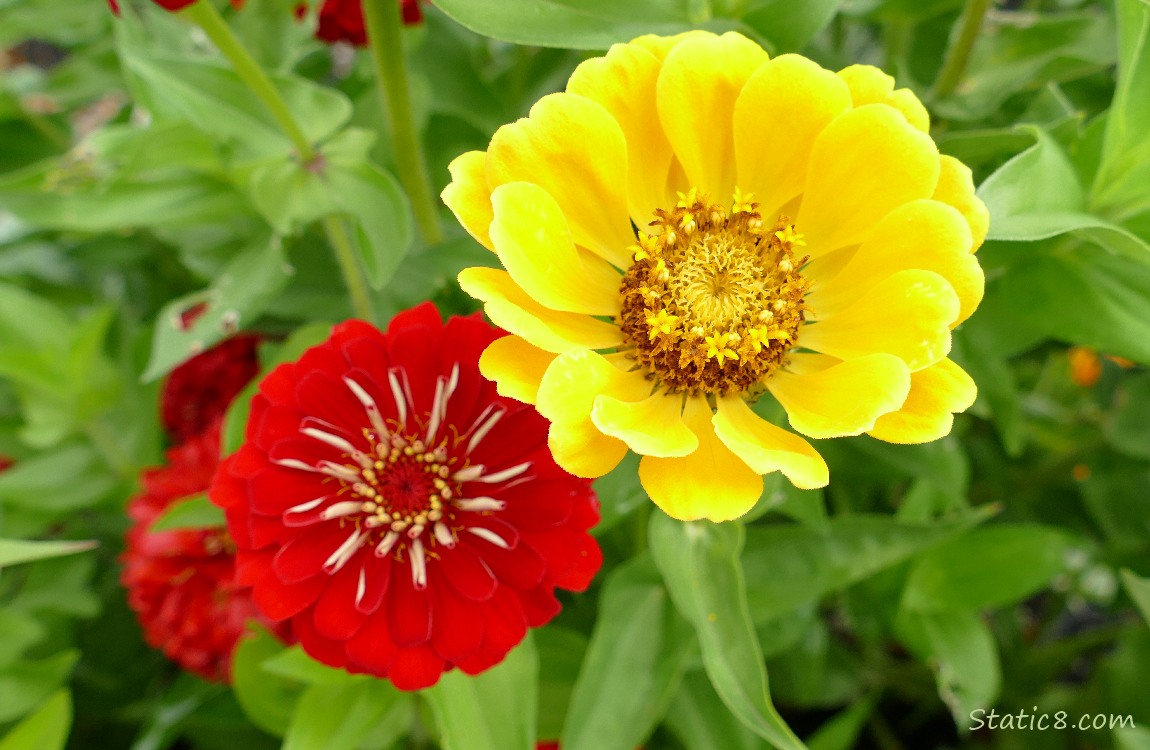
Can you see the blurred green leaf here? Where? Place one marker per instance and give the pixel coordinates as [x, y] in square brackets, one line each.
[700, 565]
[842, 731]
[195, 512]
[1119, 502]
[268, 701]
[791, 565]
[46, 729]
[789, 26]
[62, 479]
[636, 656]
[561, 652]
[1123, 176]
[15, 551]
[494, 710]
[238, 295]
[20, 631]
[1128, 428]
[701, 721]
[26, 684]
[339, 715]
[294, 664]
[1132, 738]
[162, 727]
[985, 568]
[1139, 590]
[962, 651]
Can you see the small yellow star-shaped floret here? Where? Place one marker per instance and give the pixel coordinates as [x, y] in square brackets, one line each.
[743, 203]
[661, 322]
[789, 235]
[718, 347]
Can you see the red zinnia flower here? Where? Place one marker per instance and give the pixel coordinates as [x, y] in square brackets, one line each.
[402, 514]
[342, 20]
[199, 391]
[180, 582]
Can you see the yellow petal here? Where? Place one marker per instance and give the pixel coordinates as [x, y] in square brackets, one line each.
[697, 89]
[844, 399]
[956, 187]
[515, 366]
[710, 483]
[923, 234]
[869, 85]
[765, 447]
[572, 148]
[650, 427]
[936, 394]
[782, 109]
[659, 46]
[907, 314]
[575, 379]
[581, 449]
[866, 163]
[532, 239]
[468, 196]
[512, 309]
[623, 82]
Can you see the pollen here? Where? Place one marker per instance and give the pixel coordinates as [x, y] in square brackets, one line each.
[714, 299]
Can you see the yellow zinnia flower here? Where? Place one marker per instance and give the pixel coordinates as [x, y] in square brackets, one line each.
[798, 234]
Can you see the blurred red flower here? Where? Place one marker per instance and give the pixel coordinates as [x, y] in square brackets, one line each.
[199, 391]
[342, 20]
[180, 582]
[405, 517]
[169, 4]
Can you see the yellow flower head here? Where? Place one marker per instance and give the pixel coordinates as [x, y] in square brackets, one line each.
[799, 235]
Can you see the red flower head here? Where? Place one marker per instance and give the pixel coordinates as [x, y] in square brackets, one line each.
[172, 5]
[402, 514]
[199, 391]
[180, 582]
[342, 20]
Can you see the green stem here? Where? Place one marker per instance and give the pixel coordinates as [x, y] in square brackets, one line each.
[205, 15]
[352, 275]
[385, 37]
[954, 66]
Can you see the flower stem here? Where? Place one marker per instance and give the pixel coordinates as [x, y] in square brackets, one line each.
[338, 237]
[205, 15]
[954, 66]
[385, 37]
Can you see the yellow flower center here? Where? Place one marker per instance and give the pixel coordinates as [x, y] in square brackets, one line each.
[713, 301]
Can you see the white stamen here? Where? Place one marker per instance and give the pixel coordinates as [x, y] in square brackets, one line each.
[489, 535]
[482, 429]
[506, 474]
[384, 547]
[469, 474]
[305, 507]
[443, 535]
[418, 565]
[339, 471]
[334, 441]
[294, 463]
[438, 408]
[370, 407]
[397, 394]
[373, 522]
[454, 381]
[340, 557]
[360, 588]
[480, 504]
[341, 509]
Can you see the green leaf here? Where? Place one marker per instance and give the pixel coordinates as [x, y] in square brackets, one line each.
[171, 711]
[195, 512]
[1122, 177]
[561, 651]
[494, 710]
[377, 205]
[46, 729]
[789, 26]
[25, 685]
[620, 494]
[700, 565]
[63, 479]
[792, 565]
[267, 700]
[637, 655]
[240, 293]
[1132, 738]
[15, 551]
[1036, 195]
[699, 718]
[842, 731]
[20, 631]
[1119, 502]
[339, 715]
[294, 664]
[985, 568]
[573, 24]
[1139, 590]
[962, 651]
[1128, 426]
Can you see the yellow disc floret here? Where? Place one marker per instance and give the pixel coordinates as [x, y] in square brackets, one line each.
[713, 301]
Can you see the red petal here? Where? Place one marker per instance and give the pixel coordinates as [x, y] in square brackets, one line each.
[520, 568]
[416, 668]
[539, 605]
[458, 623]
[371, 649]
[468, 574]
[573, 557]
[376, 574]
[273, 424]
[521, 432]
[278, 387]
[408, 610]
[317, 645]
[423, 316]
[279, 601]
[304, 556]
[335, 615]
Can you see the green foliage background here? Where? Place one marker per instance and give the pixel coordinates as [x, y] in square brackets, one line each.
[999, 568]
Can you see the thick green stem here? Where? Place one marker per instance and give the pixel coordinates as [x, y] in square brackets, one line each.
[338, 237]
[954, 66]
[205, 15]
[385, 37]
